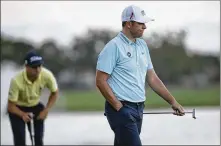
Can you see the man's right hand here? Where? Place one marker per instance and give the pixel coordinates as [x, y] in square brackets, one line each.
[118, 106]
[12, 108]
[26, 117]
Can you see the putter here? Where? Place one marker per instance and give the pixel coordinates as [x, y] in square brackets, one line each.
[32, 129]
[193, 113]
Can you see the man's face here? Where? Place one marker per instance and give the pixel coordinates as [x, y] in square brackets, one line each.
[136, 29]
[33, 71]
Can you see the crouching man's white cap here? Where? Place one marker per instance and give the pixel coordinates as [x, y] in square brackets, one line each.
[134, 13]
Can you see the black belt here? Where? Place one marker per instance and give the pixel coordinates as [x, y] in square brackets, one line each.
[132, 103]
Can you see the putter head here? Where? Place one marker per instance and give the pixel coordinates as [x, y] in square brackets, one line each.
[194, 113]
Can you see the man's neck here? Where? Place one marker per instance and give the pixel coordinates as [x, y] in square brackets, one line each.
[128, 35]
[30, 78]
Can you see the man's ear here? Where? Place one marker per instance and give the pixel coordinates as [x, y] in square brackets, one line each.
[128, 25]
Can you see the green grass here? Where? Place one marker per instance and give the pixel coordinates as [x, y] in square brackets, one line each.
[93, 100]
[187, 97]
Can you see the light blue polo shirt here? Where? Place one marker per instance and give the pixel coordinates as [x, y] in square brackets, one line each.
[127, 63]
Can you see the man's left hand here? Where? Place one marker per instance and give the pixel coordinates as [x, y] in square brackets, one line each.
[178, 109]
[43, 114]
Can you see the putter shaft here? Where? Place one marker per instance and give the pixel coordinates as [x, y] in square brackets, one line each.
[163, 112]
[193, 113]
[32, 129]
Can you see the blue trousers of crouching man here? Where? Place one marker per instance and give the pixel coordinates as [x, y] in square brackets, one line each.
[18, 126]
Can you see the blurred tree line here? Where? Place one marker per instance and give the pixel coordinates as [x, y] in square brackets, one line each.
[74, 66]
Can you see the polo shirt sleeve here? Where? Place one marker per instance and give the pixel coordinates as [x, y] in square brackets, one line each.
[149, 62]
[150, 65]
[51, 82]
[107, 59]
[13, 91]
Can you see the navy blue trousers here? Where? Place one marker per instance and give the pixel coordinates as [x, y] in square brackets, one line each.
[126, 123]
[18, 126]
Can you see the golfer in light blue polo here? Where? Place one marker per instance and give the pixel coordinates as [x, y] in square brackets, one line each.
[122, 67]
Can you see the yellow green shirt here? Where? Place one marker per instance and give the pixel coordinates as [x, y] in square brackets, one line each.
[26, 93]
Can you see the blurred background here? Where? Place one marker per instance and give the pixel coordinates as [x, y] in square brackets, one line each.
[184, 43]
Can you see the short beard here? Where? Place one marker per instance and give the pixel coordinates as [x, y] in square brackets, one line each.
[134, 35]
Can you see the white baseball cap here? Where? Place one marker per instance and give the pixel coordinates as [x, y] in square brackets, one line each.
[134, 13]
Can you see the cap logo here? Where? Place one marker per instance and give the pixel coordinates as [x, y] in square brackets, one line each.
[132, 14]
[35, 58]
[143, 13]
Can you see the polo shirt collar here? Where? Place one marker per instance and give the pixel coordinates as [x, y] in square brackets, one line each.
[26, 77]
[124, 37]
